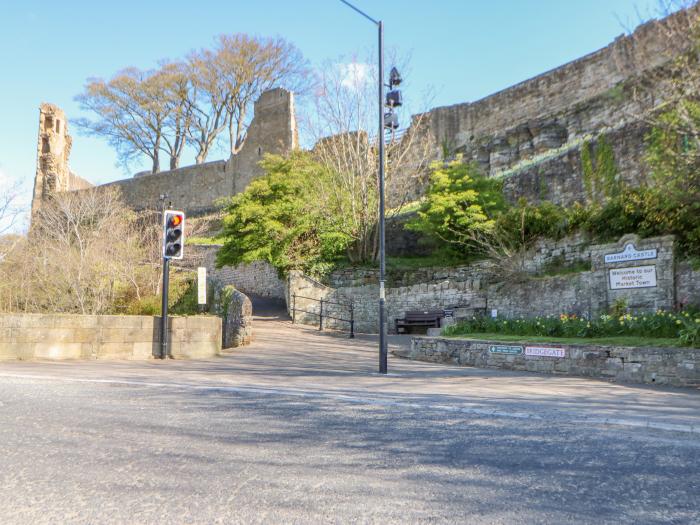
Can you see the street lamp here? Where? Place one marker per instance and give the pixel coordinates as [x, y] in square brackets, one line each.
[392, 123]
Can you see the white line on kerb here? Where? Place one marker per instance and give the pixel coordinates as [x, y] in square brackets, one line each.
[379, 401]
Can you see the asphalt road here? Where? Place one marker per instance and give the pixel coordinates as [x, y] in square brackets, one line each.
[296, 428]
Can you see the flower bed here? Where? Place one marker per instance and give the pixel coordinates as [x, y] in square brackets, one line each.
[684, 326]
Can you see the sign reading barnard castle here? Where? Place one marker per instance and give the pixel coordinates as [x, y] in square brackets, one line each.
[630, 253]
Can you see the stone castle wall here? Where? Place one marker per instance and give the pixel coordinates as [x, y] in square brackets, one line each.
[531, 133]
[582, 89]
[194, 189]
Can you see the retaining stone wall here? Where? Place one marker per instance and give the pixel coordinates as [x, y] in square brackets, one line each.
[257, 278]
[365, 299]
[472, 290]
[62, 336]
[663, 366]
[687, 285]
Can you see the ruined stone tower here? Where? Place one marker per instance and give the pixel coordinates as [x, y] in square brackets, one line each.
[53, 149]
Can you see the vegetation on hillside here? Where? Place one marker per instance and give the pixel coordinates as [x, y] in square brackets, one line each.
[86, 253]
[280, 219]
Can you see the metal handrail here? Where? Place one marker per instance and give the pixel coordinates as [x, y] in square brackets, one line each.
[320, 314]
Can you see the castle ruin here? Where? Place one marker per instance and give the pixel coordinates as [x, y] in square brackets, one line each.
[53, 149]
[530, 134]
[191, 188]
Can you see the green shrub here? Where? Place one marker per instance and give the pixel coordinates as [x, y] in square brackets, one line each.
[278, 218]
[526, 222]
[460, 203]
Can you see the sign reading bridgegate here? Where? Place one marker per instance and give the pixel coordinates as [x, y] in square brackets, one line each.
[630, 253]
[544, 351]
[633, 277]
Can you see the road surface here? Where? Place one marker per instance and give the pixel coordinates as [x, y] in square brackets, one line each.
[297, 428]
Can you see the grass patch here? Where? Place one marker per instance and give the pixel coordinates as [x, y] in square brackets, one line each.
[612, 340]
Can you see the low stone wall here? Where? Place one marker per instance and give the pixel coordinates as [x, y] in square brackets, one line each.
[62, 336]
[663, 366]
[236, 311]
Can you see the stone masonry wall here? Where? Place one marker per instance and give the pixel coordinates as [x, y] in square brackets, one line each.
[662, 366]
[193, 189]
[365, 300]
[559, 178]
[63, 336]
[590, 293]
[472, 290]
[687, 285]
[257, 278]
[562, 89]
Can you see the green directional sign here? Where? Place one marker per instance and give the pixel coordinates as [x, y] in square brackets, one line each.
[506, 349]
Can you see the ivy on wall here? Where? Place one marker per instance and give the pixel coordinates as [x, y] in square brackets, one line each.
[600, 174]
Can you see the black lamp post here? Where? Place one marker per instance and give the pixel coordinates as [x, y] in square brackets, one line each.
[393, 100]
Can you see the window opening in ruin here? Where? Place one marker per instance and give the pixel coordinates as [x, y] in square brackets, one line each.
[45, 145]
[48, 123]
[58, 126]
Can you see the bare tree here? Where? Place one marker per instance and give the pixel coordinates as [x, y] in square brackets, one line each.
[131, 113]
[84, 251]
[251, 65]
[10, 210]
[176, 84]
[346, 111]
[227, 79]
[208, 99]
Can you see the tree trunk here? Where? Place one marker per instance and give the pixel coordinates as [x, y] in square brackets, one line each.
[156, 156]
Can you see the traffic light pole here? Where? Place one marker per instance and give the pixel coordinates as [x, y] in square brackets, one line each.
[164, 309]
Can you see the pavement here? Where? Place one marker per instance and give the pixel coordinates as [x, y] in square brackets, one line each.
[299, 428]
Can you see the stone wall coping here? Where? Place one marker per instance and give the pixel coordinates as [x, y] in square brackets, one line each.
[586, 346]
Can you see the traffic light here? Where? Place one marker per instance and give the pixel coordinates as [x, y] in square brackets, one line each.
[173, 234]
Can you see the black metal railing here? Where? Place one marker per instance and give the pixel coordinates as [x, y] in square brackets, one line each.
[327, 312]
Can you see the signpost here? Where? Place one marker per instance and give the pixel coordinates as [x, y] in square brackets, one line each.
[630, 253]
[506, 349]
[201, 285]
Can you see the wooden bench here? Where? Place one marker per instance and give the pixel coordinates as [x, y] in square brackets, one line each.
[421, 318]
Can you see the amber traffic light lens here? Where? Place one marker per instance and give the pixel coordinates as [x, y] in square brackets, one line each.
[175, 220]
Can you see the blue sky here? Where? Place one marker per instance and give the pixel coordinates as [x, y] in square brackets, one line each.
[464, 50]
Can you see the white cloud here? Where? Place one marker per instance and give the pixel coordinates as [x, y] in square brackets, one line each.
[354, 75]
